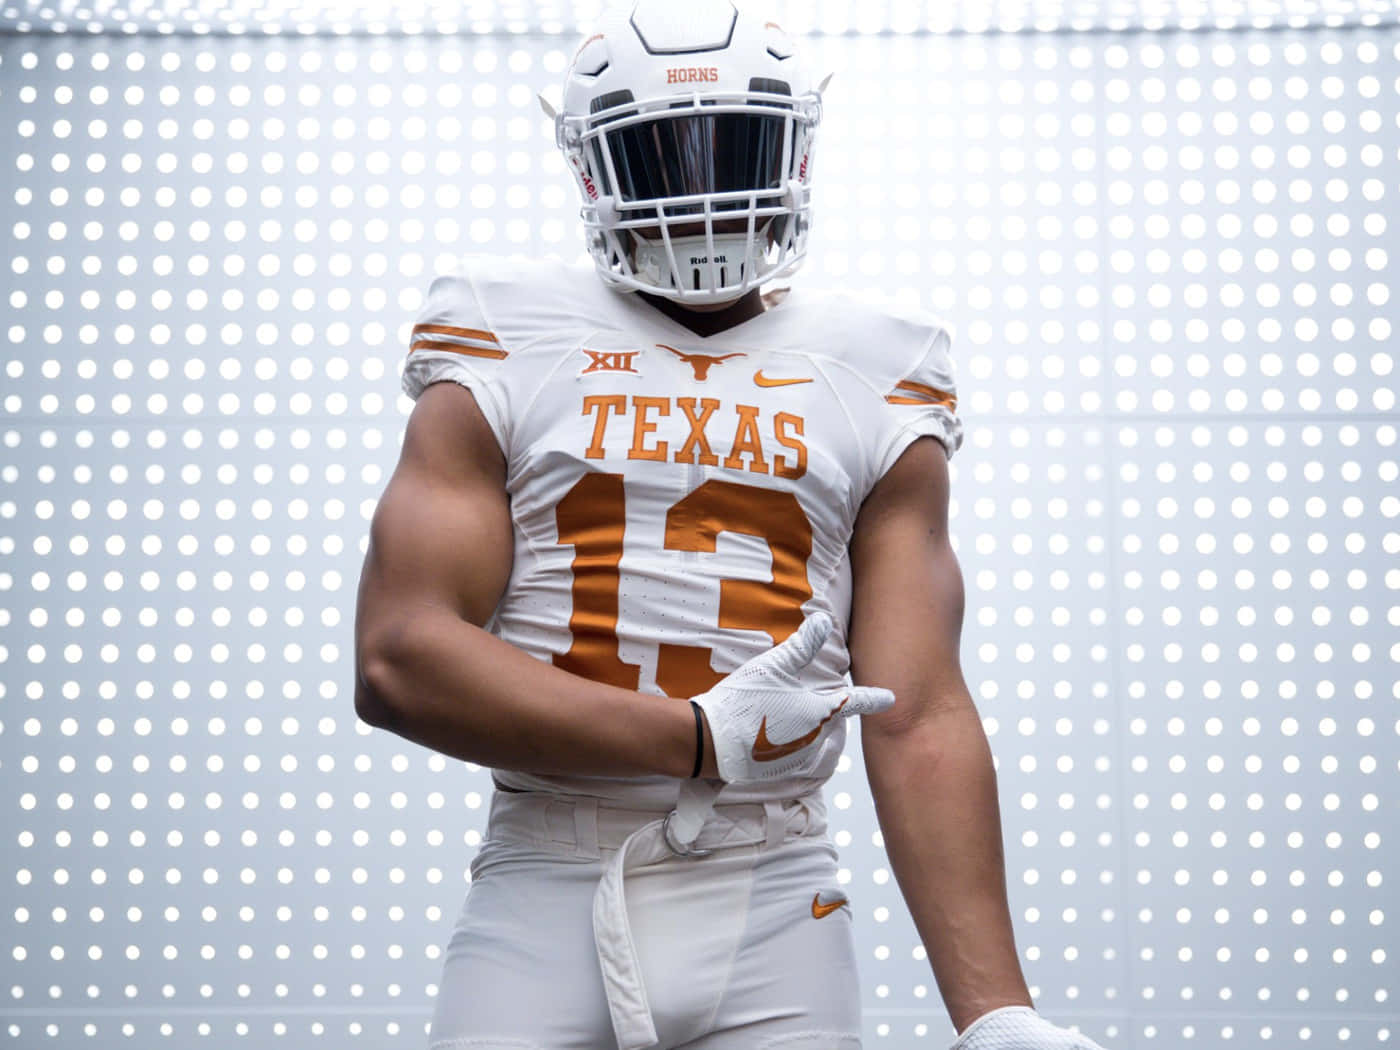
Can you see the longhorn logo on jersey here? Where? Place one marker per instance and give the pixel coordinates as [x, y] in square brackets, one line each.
[702, 363]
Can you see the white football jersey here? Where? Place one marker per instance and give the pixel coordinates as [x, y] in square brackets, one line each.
[680, 503]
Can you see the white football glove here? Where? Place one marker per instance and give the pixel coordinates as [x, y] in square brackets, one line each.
[766, 724]
[1019, 1028]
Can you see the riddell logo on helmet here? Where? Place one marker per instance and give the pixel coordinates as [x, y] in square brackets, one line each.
[692, 75]
[588, 185]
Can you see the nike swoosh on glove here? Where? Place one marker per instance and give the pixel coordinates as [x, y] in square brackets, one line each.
[766, 724]
[1019, 1028]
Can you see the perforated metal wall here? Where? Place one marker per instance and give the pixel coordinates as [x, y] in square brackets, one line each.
[1168, 257]
[552, 17]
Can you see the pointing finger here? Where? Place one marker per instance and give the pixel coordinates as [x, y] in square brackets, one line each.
[868, 700]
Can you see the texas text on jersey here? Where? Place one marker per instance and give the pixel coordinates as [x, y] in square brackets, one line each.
[679, 503]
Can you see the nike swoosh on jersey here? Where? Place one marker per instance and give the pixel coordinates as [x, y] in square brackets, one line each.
[763, 380]
[764, 750]
[821, 911]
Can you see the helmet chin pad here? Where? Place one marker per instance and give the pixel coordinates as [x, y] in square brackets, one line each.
[696, 275]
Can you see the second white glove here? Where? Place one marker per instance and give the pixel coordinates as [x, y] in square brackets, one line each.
[766, 724]
[1019, 1028]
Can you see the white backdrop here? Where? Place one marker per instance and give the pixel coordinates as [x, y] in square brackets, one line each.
[1165, 244]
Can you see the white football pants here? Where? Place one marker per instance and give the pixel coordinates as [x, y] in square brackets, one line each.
[582, 930]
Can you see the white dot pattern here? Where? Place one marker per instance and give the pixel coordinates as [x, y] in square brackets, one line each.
[1168, 259]
[551, 17]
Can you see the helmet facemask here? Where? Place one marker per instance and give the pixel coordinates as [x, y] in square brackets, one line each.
[697, 198]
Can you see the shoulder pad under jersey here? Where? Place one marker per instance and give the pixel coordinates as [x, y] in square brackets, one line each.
[452, 341]
[524, 301]
[900, 356]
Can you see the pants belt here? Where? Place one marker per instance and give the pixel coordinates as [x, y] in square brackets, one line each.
[639, 838]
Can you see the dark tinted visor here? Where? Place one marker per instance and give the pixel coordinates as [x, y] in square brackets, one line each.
[680, 156]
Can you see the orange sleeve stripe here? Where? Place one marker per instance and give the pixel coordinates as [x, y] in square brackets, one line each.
[923, 394]
[460, 348]
[894, 399]
[460, 333]
[923, 388]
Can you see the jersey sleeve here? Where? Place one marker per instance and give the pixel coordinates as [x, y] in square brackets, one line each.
[922, 402]
[452, 342]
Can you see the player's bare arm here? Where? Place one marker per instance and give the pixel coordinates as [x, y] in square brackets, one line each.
[439, 559]
[927, 758]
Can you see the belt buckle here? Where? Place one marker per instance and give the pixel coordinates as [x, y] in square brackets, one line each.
[680, 849]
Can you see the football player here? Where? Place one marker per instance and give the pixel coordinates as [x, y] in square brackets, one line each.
[651, 540]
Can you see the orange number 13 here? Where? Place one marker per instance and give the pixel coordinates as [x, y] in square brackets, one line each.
[592, 518]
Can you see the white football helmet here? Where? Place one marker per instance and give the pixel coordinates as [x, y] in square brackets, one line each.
[689, 128]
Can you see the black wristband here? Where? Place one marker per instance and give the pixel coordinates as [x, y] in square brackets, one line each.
[699, 740]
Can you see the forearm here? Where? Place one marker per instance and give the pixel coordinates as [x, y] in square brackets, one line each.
[457, 689]
[936, 798]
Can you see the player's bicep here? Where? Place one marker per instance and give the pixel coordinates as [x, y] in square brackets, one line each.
[441, 535]
[907, 602]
